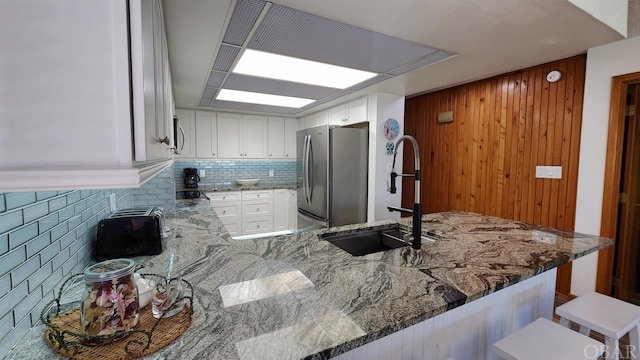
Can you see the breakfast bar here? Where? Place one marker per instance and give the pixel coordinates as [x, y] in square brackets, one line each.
[297, 296]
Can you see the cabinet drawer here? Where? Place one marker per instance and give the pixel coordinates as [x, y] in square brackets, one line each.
[257, 208]
[224, 196]
[257, 194]
[233, 227]
[257, 225]
[228, 209]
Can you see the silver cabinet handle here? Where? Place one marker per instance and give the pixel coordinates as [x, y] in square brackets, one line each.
[183, 137]
[165, 140]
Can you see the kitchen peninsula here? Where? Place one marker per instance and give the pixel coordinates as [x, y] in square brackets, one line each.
[296, 296]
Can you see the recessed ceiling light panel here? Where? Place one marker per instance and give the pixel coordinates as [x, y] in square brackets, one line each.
[264, 99]
[273, 66]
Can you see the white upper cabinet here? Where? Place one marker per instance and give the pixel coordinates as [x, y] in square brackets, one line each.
[67, 121]
[356, 111]
[337, 115]
[242, 136]
[151, 77]
[290, 129]
[276, 137]
[282, 137]
[353, 112]
[185, 141]
[230, 136]
[255, 136]
[206, 135]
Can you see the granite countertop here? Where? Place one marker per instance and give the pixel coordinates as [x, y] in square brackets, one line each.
[295, 296]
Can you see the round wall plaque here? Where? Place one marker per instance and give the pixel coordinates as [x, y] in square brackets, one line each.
[391, 129]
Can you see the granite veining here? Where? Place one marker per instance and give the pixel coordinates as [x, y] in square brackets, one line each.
[297, 296]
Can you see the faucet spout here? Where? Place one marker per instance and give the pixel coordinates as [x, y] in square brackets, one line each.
[417, 206]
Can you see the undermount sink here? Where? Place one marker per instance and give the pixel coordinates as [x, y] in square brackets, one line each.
[369, 241]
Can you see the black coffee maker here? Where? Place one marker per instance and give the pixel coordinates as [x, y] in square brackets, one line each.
[191, 180]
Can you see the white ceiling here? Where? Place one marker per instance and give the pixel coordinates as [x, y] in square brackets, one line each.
[490, 36]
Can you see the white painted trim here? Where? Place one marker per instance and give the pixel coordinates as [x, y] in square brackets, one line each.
[80, 179]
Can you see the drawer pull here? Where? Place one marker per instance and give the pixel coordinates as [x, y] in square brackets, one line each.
[258, 225]
[224, 211]
[258, 209]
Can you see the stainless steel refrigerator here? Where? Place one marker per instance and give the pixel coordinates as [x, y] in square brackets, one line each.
[332, 176]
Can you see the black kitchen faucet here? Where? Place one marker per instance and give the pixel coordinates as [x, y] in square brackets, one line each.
[415, 237]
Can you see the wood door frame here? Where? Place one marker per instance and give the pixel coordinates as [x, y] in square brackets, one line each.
[613, 168]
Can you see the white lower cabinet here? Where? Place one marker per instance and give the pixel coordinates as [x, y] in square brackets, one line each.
[293, 210]
[228, 207]
[281, 210]
[254, 212]
[257, 212]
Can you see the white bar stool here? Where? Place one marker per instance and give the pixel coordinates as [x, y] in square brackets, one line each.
[609, 316]
[544, 339]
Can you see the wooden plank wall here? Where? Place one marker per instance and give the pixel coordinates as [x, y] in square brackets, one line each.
[485, 160]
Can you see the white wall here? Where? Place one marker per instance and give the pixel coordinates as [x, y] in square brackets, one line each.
[381, 108]
[603, 63]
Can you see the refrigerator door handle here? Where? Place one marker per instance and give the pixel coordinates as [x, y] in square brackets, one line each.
[310, 169]
[305, 169]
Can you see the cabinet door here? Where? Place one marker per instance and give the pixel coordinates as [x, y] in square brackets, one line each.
[206, 135]
[186, 134]
[293, 210]
[337, 115]
[290, 129]
[152, 113]
[310, 121]
[356, 111]
[229, 136]
[255, 137]
[280, 209]
[276, 137]
[322, 118]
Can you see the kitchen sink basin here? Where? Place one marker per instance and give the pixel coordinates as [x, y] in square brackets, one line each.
[365, 242]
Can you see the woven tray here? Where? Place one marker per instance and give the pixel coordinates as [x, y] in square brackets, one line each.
[167, 330]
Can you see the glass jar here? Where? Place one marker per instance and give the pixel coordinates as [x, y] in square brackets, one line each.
[110, 300]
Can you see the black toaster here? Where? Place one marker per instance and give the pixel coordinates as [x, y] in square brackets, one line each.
[130, 232]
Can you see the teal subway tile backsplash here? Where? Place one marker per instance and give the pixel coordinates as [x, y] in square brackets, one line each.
[47, 236]
[223, 172]
[159, 191]
[44, 237]
[10, 220]
[16, 200]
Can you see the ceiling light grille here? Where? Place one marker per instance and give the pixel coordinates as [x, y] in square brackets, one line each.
[226, 56]
[244, 16]
[295, 33]
[215, 79]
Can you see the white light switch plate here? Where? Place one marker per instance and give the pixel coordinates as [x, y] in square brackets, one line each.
[389, 168]
[202, 173]
[270, 173]
[549, 172]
